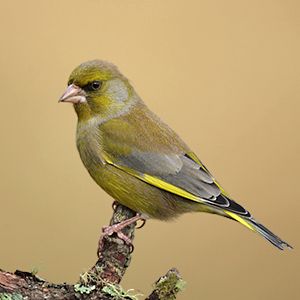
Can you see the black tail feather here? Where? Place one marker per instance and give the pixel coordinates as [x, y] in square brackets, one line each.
[270, 236]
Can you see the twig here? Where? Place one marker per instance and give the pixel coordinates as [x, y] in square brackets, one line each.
[167, 287]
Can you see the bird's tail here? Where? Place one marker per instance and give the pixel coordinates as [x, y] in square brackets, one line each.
[257, 227]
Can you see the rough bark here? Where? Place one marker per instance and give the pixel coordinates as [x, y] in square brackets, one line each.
[100, 282]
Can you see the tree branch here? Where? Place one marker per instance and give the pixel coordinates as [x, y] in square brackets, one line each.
[100, 282]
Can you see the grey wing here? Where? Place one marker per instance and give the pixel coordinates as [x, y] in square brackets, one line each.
[183, 172]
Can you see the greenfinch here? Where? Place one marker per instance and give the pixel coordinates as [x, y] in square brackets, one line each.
[137, 159]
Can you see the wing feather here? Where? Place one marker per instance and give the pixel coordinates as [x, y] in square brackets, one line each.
[180, 175]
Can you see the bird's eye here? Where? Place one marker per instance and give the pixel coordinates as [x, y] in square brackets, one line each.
[95, 85]
[92, 86]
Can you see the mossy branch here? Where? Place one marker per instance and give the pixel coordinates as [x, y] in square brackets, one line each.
[100, 282]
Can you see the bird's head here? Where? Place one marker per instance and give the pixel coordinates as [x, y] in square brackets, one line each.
[97, 88]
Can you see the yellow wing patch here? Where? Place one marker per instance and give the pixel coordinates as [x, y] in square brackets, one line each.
[169, 187]
[157, 182]
[239, 219]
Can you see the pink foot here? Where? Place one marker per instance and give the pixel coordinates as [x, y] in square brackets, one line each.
[117, 228]
[110, 230]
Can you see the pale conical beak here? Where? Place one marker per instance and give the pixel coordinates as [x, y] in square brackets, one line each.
[73, 94]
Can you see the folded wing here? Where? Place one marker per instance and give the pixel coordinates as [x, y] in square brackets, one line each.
[180, 174]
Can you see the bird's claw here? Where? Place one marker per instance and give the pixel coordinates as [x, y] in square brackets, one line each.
[114, 205]
[142, 225]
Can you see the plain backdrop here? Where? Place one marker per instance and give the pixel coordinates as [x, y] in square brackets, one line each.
[224, 74]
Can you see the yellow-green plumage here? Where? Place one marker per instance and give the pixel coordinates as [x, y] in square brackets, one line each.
[139, 160]
[119, 137]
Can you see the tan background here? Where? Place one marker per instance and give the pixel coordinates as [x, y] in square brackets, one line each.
[224, 74]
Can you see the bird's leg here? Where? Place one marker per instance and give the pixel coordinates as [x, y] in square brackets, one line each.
[117, 228]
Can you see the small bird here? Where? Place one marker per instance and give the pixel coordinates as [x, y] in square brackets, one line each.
[137, 159]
